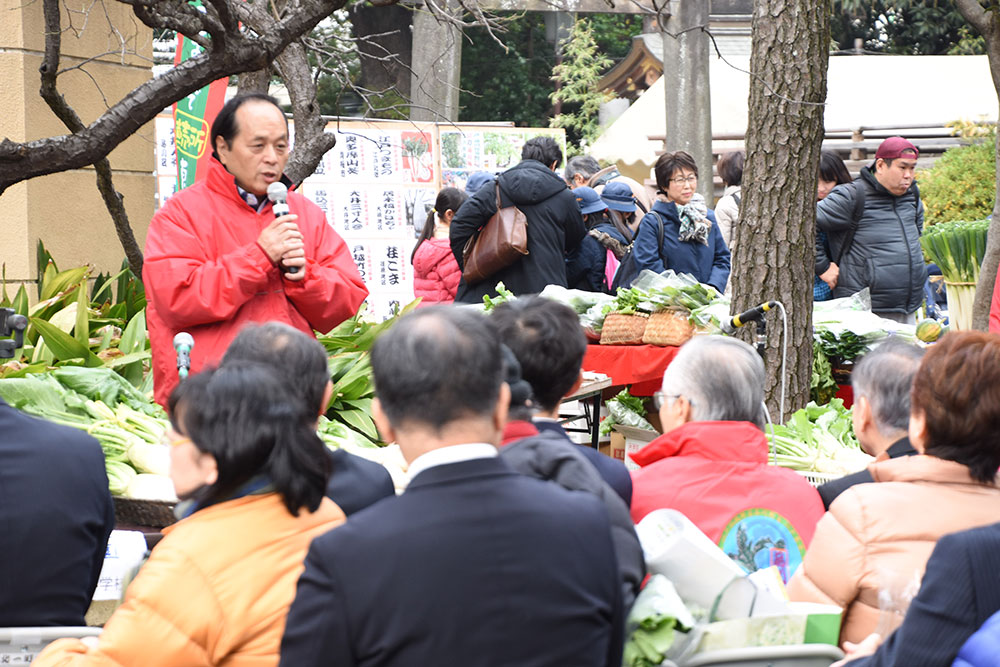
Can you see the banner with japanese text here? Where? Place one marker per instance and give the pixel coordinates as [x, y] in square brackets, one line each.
[193, 116]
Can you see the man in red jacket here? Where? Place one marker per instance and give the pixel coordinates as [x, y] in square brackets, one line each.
[711, 463]
[217, 257]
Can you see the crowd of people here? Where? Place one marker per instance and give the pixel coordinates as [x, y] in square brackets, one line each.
[867, 229]
[510, 545]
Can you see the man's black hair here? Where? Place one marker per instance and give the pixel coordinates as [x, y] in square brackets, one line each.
[224, 124]
[547, 340]
[298, 359]
[436, 366]
[242, 416]
[544, 149]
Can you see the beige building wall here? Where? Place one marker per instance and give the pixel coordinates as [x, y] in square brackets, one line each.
[107, 52]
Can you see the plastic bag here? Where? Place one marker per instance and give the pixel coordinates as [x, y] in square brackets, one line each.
[652, 623]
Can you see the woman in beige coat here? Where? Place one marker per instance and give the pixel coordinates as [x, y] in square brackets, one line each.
[870, 549]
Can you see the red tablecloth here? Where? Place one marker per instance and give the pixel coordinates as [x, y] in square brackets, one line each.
[641, 366]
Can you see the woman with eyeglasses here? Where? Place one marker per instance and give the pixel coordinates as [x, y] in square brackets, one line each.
[680, 232]
[251, 472]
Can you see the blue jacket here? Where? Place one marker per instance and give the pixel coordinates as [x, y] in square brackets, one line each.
[585, 267]
[708, 264]
[983, 647]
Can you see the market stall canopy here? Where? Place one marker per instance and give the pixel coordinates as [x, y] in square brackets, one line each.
[861, 91]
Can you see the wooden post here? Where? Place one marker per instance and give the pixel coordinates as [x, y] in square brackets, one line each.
[858, 153]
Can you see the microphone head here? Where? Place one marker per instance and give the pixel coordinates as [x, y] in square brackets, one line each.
[277, 192]
[183, 339]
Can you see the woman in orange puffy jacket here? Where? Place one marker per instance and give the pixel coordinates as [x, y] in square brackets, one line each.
[435, 271]
[250, 471]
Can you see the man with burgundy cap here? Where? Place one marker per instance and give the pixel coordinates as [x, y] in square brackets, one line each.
[874, 226]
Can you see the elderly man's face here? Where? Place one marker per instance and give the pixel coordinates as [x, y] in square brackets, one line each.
[675, 411]
[259, 151]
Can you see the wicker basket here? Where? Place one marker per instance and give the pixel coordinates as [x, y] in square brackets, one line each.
[667, 327]
[622, 329]
[148, 513]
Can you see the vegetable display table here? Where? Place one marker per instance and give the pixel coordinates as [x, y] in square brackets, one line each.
[641, 366]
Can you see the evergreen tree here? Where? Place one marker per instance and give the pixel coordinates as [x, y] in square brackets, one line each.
[577, 75]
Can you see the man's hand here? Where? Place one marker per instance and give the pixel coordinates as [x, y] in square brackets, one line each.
[296, 258]
[281, 237]
[866, 647]
[830, 275]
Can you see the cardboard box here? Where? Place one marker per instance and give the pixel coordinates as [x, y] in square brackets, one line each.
[616, 448]
[635, 439]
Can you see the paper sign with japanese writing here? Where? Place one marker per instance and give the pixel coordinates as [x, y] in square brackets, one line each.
[124, 553]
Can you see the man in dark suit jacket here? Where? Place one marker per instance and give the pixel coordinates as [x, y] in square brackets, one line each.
[55, 518]
[355, 482]
[548, 342]
[881, 380]
[959, 592]
[474, 564]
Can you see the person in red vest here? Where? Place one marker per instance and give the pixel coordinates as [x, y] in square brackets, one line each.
[711, 463]
[217, 257]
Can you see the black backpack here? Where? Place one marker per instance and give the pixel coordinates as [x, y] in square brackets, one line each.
[628, 270]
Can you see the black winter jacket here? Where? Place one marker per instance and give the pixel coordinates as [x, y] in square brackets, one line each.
[885, 255]
[585, 266]
[555, 227]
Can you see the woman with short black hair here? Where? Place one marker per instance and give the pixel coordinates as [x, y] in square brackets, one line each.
[680, 232]
[251, 472]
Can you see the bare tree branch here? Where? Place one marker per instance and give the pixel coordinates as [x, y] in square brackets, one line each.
[113, 200]
[21, 161]
[311, 139]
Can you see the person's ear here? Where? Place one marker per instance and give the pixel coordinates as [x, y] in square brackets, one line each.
[209, 467]
[502, 408]
[327, 395]
[879, 164]
[448, 215]
[385, 429]
[576, 385]
[918, 431]
[554, 166]
[684, 408]
[221, 148]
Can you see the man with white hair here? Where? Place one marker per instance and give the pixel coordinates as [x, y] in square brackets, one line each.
[711, 461]
[881, 381]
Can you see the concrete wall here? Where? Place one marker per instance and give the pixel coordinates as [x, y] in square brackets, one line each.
[65, 210]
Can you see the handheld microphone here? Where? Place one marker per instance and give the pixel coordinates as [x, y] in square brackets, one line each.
[183, 342]
[277, 192]
[756, 313]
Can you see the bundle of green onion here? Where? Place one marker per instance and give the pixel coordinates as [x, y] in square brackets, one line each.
[958, 249]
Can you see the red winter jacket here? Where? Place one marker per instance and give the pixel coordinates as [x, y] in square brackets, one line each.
[435, 272]
[205, 274]
[716, 474]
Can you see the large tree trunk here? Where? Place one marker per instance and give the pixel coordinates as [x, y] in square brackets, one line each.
[774, 256]
[987, 23]
[384, 46]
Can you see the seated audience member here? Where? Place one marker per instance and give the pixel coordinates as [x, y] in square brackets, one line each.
[250, 471]
[548, 342]
[877, 537]
[958, 594]
[587, 267]
[474, 563]
[691, 241]
[547, 455]
[301, 362]
[56, 516]
[711, 463]
[881, 382]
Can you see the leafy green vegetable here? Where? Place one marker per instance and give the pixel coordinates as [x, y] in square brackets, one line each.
[822, 387]
[627, 410]
[504, 296]
[818, 438]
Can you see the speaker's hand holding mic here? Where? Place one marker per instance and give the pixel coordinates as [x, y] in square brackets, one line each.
[282, 240]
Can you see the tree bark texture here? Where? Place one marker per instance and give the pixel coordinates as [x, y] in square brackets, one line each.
[987, 23]
[385, 45]
[774, 239]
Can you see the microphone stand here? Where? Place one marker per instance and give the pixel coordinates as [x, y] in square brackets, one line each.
[761, 338]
